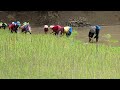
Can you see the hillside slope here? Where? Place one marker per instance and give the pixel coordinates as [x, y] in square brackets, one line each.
[41, 17]
[93, 17]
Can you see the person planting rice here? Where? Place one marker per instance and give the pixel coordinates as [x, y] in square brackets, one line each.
[10, 26]
[26, 28]
[13, 27]
[4, 25]
[68, 30]
[45, 29]
[57, 29]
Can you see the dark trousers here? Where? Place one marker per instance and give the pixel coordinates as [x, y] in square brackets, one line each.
[68, 34]
[97, 35]
[90, 35]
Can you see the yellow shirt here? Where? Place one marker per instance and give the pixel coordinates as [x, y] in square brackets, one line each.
[66, 29]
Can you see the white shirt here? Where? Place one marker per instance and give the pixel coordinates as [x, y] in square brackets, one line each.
[92, 29]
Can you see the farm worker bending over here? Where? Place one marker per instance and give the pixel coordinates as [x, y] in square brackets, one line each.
[57, 29]
[68, 30]
[91, 33]
[45, 29]
[4, 25]
[97, 30]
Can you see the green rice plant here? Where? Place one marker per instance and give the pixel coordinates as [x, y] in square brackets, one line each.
[48, 56]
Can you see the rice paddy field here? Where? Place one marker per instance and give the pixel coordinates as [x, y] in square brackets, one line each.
[40, 56]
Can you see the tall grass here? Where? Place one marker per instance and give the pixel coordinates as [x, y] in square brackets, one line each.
[46, 56]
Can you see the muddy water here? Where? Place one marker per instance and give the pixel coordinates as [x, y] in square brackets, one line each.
[113, 31]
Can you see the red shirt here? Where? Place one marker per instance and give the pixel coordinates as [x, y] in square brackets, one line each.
[57, 28]
[11, 26]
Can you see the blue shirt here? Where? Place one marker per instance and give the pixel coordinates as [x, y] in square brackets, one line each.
[70, 30]
[98, 27]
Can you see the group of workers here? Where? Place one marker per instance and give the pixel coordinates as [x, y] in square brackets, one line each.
[15, 26]
[58, 30]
